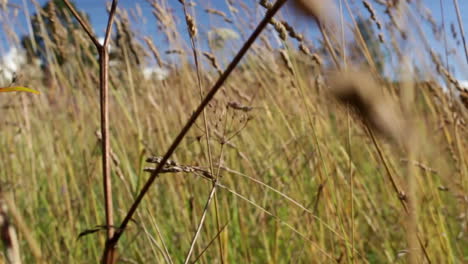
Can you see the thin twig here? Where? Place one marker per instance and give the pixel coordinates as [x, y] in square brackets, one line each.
[113, 242]
[211, 242]
[200, 224]
[83, 24]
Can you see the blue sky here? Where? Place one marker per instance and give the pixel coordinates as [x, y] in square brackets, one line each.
[147, 24]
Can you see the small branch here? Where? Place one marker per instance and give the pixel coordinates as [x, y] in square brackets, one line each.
[83, 24]
[110, 22]
[217, 86]
[211, 242]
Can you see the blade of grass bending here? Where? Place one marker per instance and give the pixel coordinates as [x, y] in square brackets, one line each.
[18, 89]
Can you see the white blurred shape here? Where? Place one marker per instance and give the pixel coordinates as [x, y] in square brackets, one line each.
[101, 41]
[464, 84]
[11, 62]
[155, 72]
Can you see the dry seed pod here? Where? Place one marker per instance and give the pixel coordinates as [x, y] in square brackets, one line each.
[362, 93]
[323, 11]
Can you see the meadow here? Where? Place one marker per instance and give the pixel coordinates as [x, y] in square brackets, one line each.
[309, 152]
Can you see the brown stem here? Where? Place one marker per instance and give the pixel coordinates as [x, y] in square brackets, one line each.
[107, 181]
[113, 242]
[110, 256]
[83, 24]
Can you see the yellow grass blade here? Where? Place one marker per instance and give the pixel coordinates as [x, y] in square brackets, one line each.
[18, 89]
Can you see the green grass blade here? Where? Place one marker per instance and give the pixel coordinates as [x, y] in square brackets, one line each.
[18, 89]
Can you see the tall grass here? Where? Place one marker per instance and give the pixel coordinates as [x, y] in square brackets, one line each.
[300, 177]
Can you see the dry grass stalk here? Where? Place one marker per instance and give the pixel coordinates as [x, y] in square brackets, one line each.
[219, 13]
[462, 31]
[266, 42]
[154, 51]
[210, 57]
[421, 166]
[192, 33]
[59, 33]
[444, 72]
[162, 15]
[240, 94]
[441, 115]
[125, 39]
[171, 166]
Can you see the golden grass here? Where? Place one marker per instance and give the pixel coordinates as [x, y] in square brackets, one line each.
[301, 179]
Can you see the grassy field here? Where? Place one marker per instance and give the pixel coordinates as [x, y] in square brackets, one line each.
[300, 176]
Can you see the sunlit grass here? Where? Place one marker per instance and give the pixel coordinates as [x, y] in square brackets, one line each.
[286, 163]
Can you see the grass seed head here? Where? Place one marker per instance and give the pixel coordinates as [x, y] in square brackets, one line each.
[191, 26]
[323, 11]
[363, 94]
